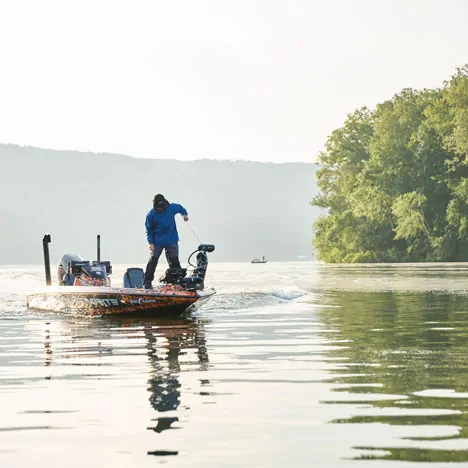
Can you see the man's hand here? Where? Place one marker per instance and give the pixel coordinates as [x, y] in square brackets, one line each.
[185, 218]
[151, 247]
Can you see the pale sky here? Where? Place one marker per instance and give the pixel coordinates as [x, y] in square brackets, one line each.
[189, 79]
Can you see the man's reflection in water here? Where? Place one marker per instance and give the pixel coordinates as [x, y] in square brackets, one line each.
[47, 346]
[173, 339]
[167, 341]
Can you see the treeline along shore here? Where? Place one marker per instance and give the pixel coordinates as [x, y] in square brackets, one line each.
[393, 181]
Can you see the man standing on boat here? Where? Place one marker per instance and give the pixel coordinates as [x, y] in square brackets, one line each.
[161, 232]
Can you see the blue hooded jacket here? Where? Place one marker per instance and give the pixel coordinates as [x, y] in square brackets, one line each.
[161, 229]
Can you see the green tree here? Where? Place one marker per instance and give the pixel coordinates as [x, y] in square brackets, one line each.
[393, 181]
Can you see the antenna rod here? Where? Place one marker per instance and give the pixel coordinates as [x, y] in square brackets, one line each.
[45, 247]
[98, 248]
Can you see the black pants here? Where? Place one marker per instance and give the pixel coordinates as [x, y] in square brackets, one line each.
[172, 257]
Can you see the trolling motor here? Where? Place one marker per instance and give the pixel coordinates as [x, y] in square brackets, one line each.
[196, 281]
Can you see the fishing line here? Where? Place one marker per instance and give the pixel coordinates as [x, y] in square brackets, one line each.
[190, 227]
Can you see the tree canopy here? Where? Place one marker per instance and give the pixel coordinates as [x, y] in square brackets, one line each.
[394, 181]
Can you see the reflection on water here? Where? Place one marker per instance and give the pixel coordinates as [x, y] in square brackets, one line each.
[404, 366]
[167, 342]
[128, 351]
[288, 365]
[164, 384]
[421, 277]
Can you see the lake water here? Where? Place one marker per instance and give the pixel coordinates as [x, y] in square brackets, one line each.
[289, 365]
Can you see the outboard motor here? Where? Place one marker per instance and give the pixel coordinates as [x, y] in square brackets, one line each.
[64, 276]
[74, 271]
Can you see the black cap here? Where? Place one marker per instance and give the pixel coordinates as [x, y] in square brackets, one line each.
[159, 200]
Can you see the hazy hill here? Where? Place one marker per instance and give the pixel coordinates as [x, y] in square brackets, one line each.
[246, 209]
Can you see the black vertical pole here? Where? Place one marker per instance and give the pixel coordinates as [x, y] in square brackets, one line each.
[98, 248]
[45, 246]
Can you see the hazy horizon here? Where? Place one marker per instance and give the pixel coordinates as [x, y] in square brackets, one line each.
[247, 209]
[71, 150]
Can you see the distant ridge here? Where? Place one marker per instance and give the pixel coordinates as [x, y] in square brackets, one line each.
[243, 207]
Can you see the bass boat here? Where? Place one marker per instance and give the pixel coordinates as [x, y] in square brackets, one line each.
[259, 260]
[85, 287]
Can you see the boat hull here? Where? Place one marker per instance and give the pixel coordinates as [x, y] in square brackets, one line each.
[94, 301]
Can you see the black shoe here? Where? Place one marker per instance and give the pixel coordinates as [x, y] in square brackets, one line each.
[148, 286]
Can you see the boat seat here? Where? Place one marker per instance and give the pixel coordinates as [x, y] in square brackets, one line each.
[133, 278]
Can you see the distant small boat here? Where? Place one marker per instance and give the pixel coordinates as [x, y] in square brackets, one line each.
[259, 260]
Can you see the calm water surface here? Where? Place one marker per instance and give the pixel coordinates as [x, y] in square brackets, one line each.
[289, 365]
